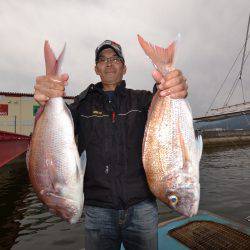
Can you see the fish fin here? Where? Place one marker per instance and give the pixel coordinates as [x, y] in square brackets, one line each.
[199, 146]
[59, 205]
[69, 113]
[188, 106]
[52, 64]
[83, 160]
[162, 58]
[27, 156]
[54, 199]
[80, 165]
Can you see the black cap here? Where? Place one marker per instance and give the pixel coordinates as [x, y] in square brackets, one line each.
[109, 44]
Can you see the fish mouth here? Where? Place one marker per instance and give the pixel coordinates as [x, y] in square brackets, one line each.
[191, 213]
[189, 210]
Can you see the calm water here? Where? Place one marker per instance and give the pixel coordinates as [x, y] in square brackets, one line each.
[26, 224]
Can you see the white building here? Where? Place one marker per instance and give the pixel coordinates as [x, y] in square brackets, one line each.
[17, 112]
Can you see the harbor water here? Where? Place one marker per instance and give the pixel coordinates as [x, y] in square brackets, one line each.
[26, 224]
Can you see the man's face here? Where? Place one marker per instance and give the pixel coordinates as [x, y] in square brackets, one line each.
[111, 72]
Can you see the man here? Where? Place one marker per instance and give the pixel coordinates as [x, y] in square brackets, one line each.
[109, 121]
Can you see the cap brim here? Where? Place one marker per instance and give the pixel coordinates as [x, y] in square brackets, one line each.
[106, 46]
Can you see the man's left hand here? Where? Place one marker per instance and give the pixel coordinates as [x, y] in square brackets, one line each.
[173, 84]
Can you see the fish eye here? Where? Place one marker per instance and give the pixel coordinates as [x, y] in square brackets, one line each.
[173, 199]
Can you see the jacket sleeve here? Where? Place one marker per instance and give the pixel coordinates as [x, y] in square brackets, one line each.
[146, 98]
[73, 107]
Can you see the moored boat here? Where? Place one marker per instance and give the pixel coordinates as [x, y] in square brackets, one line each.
[203, 231]
[12, 145]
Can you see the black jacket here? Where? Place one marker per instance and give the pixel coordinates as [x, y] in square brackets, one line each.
[112, 135]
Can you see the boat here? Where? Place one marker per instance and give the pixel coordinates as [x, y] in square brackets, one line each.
[12, 145]
[202, 231]
[229, 124]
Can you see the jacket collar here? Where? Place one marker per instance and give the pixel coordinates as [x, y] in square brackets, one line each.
[120, 89]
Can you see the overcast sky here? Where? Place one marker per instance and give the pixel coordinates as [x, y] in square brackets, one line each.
[212, 34]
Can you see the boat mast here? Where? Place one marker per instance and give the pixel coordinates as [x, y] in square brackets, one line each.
[238, 78]
[243, 58]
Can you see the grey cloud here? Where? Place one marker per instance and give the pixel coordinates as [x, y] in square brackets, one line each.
[212, 34]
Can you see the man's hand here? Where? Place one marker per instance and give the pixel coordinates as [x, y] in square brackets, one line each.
[49, 86]
[173, 84]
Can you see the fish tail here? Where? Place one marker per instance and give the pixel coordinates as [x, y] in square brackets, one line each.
[52, 64]
[50, 59]
[162, 58]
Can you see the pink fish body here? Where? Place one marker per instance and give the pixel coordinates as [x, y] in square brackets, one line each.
[171, 153]
[55, 169]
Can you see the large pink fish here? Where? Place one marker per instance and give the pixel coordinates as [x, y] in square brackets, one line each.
[55, 170]
[171, 153]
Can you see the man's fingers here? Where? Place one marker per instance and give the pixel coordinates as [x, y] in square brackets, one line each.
[180, 80]
[51, 92]
[178, 88]
[179, 95]
[158, 77]
[174, 84]
[174, 95]
[56, 86]
[178, 91]
[173, 78]
[51, 86]
[173, 74]
[62, 79]
[41, 99]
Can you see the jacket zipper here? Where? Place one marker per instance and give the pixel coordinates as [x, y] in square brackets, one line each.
[113, 116]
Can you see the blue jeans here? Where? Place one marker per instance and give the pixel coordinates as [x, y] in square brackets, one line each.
[135, 227]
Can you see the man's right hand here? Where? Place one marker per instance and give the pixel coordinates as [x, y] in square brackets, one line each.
[49, 86]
